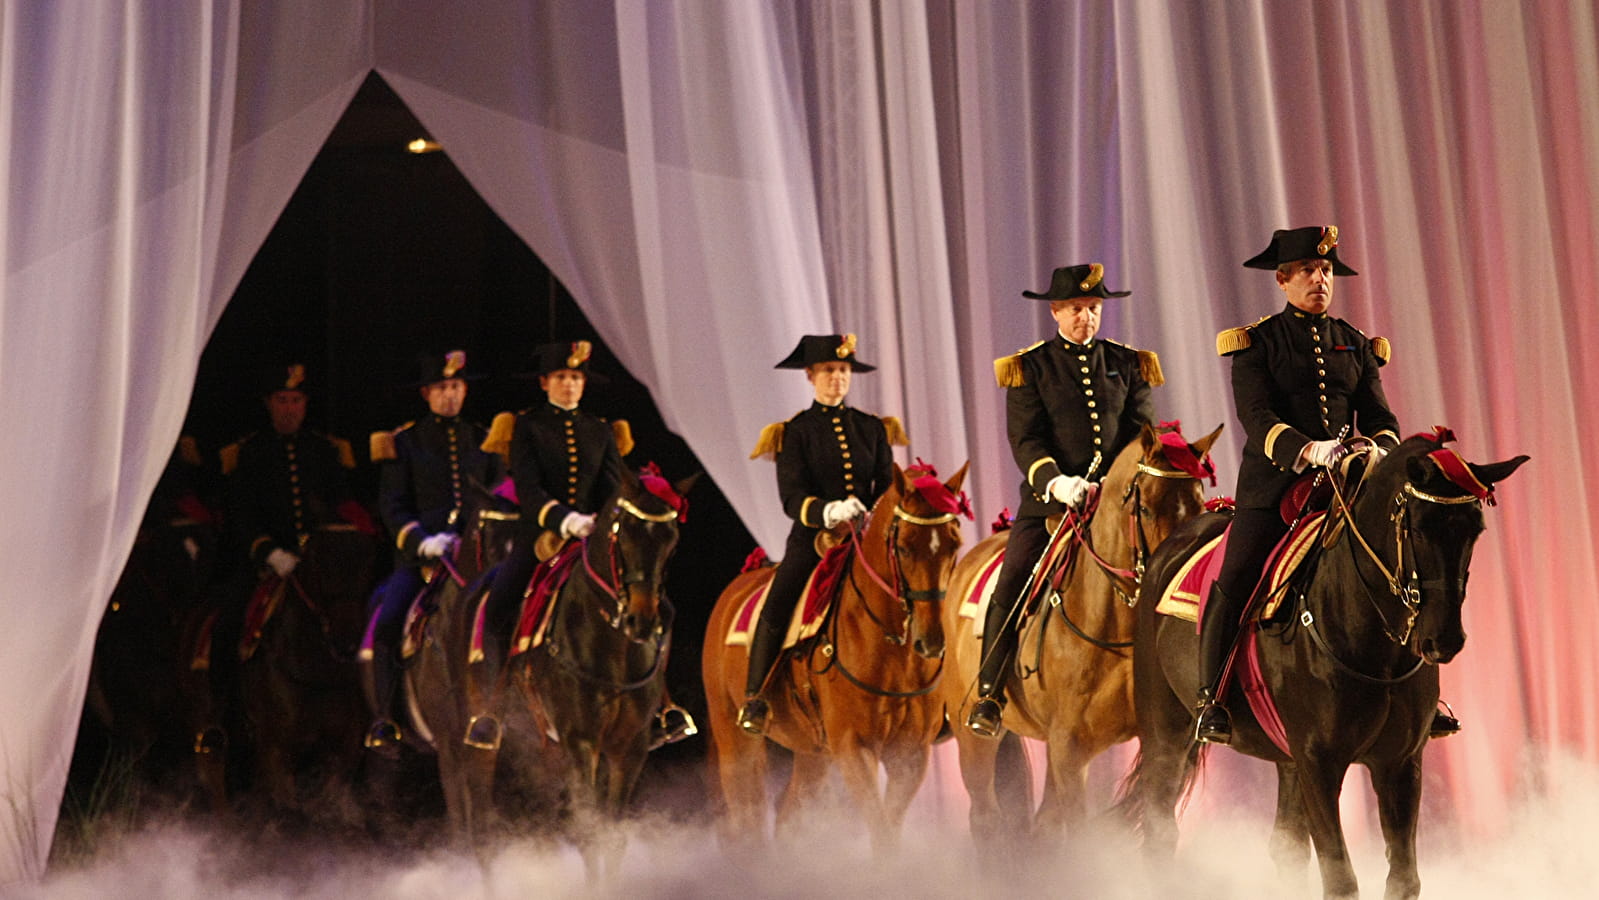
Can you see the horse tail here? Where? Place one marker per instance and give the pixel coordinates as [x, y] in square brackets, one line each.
[1127, 809]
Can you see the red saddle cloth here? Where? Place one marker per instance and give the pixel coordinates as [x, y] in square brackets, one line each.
[264, 602]
[818, 595]
[541, 589]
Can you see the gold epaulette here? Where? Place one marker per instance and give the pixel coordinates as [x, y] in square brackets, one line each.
[1008, 369]
[499, 439]
[1382, 350]
[770, 441]
[346, 453]
[623, 433]
[189, 450]
[1149, 368]
[896, 432]
[228, 456]
[1232, 340]
[381, 446]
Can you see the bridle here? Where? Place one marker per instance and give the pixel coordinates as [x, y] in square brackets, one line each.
[1402, 581]
[899, 590]
[619, 580]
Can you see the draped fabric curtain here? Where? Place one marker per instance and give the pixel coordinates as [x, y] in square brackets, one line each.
[712, 179]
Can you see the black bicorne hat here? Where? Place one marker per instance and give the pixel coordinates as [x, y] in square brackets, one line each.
[554, 357]
[436, 367]
[1071, 282]
[820, 348]
[284, 377]
[1292, 244]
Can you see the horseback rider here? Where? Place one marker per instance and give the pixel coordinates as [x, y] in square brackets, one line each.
[280, 486]
[1301, 379]
[564, 463]
[424, 467]
[1071, 404]
[833, 462]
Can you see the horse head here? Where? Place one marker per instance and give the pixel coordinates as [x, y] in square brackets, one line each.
[633, 539]
[1420, 518]
[488, 523]
[1161, 481]
[915, 524]
[334, 579]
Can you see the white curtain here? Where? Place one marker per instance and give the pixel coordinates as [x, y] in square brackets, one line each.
[711, 179]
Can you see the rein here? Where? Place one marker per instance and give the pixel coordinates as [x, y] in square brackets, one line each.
[899, 590]
[1402, 581]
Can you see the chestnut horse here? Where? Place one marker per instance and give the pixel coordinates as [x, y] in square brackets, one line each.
[861, 692]
[1072, 684]
[1352, 669]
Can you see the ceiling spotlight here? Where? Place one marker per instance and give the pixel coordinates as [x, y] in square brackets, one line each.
[424, 145]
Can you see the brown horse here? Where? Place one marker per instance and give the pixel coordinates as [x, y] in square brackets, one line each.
[578, 703]
[1072, 686]
[299, 691]
[862, 692]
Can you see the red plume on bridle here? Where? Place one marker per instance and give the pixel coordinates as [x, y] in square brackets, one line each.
[650, 476]
[1454, 468]
[924, 479]
[1181, 455]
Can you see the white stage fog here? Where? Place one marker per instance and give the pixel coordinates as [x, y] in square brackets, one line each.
[1543, 850]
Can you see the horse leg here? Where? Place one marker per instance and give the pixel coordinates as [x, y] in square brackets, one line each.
[906, 765]
[978, 765]
[804, 783]
[740, 765]
[1290, 834]
[859, 767]
[1320, 783]
[1398, 788]
[1065, 803]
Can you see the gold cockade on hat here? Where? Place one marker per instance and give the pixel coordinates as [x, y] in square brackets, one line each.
[846, 347]
[1096, 274]
[454, 361]
[580, 354]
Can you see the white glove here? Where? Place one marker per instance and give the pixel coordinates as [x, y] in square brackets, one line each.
[1321, 453]
[1069, 489]
[837, 512]
[282, 562]
[577, 524]
[435, 545]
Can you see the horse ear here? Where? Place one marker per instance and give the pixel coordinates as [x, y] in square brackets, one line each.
[1493, 473]
[1148, 438]
[684, 485]
[959, 478]
[1203, 445]
[899, 480]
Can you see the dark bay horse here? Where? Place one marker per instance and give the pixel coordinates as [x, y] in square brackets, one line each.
[300, 691]
[436, 678]
[1352, 668]
[1072, 684]
[863, 691]
[577, 705]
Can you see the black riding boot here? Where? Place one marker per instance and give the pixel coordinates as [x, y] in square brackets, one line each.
[1216, 635]
[765, 645]
[383, 735]
[999, 648]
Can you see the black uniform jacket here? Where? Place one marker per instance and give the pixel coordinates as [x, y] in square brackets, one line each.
[562, 461]
[281, 487]
[1300, 377]
[1075, 401]
[433, 464]
[829, 453]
